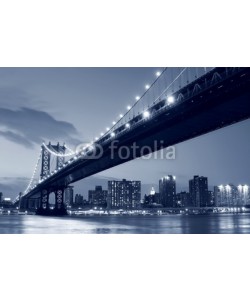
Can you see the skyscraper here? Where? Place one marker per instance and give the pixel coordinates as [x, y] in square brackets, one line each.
[124, 194]
[152, 199]
[69, 196]
[98, 197]
[79, 200]
[229, 195]
[211, 201]
[167, 191]
[243, 194]
[198, 189]
[182, 199]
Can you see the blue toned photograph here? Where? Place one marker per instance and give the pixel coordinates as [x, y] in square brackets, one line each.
[161, 150]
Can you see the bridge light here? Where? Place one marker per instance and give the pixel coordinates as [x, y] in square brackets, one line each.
[112, 134]
[146, 114]
[101, 134]
[121, 116]
[96, 138]
[107, 128]
[128, 107]
[137, 98]
[127, 125]
[158, 73]
[170, 99]
[147, 86]
[113, 122]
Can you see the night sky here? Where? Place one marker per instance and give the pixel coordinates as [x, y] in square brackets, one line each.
[74, 105]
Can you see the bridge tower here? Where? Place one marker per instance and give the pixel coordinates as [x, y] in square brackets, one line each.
[45, 167]
[59, 192]
[44, 208]
[45, 170]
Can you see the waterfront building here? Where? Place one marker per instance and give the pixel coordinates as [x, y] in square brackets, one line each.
[167, 191]
[152, 200]
[124, 194]
[98, 197]
[69, 196]
[230, 195]
[198, 190]
[182, 200]
[243, 194]
[211, 199]
[79, 201]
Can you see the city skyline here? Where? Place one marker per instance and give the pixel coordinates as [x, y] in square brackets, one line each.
[168, 190]
[40, 97]
[83, 188]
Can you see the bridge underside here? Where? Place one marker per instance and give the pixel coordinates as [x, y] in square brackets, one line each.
[216, 106]
[40, 205]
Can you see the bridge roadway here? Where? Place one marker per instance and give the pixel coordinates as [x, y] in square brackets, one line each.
[215, 100]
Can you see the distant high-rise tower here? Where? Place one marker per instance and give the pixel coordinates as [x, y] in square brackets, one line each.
[167, 191]
[198, 190]
[69, 196]
[98, 197]
[152, 199]
[182, 199]
[124, 194]
[230, 195]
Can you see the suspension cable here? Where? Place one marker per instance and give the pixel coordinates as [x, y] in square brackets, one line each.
[53, 152]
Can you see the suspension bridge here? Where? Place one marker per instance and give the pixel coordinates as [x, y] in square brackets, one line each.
[180, 104]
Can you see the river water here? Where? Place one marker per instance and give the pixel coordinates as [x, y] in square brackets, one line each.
[113, 224]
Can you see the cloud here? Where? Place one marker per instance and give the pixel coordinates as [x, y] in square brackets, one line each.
[13, 96]
[13, 137]
[27, 126]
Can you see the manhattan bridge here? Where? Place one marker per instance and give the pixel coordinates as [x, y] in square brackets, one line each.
[180, 104]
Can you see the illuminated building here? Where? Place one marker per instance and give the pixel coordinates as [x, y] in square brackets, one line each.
[167, 191]
[182, 200]
[98, 197]
[198, 190]
[152, 200]
[124, 194]
[69, 196]
[229, 195]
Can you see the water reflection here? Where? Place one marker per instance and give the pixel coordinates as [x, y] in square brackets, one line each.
[194, 224]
